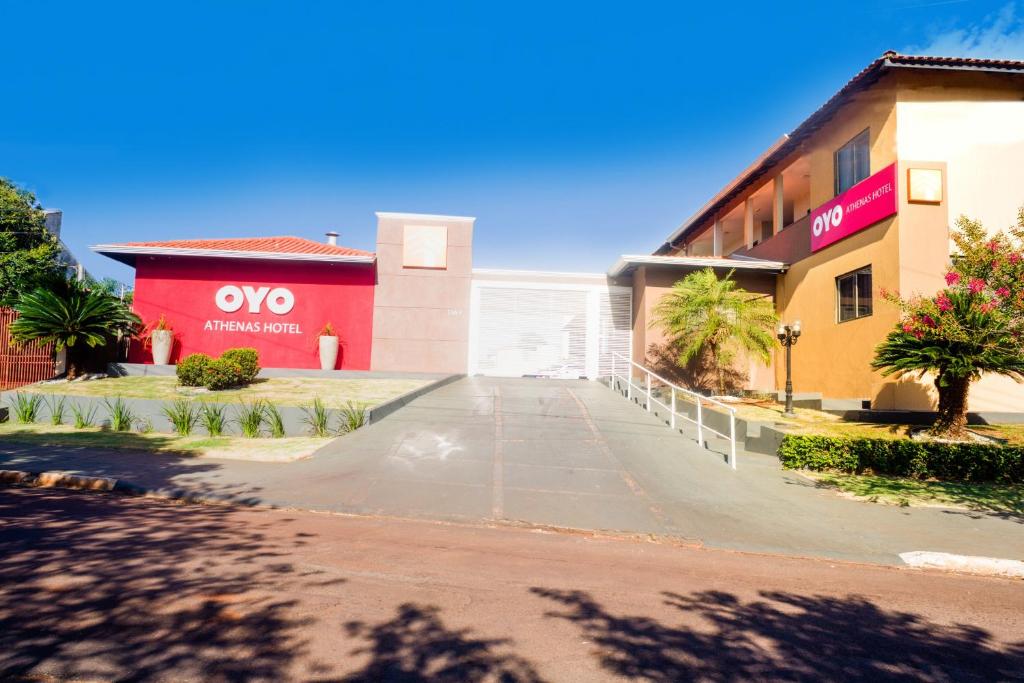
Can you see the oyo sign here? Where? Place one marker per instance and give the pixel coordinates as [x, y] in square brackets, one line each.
[231, 298]
[869, 201]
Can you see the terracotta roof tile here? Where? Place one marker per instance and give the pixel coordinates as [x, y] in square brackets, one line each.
[264, 245]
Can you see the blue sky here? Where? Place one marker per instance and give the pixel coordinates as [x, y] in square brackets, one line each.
[574, 132]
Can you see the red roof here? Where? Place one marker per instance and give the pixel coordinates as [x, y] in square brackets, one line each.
[264, 245]
[262, 248]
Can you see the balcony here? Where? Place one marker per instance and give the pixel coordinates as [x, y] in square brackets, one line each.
[790, 245]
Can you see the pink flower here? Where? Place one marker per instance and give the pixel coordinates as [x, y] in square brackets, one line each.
[993, 246]
[988, 307]
[928, 320]
[943, 302]
[1003, 292]
[908, 328]
[1014, 258]
[976, 285]
[919, 334]
[952, 278]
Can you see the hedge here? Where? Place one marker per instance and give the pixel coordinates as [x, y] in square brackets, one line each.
[191, 370]
[966, 462]
[248, 361]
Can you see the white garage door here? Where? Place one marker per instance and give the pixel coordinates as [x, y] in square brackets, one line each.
[523, 329]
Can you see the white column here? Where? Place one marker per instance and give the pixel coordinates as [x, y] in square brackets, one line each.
[777, 199]
[748, 222]
[717, 238]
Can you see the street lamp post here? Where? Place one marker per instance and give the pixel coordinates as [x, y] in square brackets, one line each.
[788, 334]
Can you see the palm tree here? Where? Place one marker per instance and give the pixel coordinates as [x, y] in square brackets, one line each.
[707, 315]
[72, 317]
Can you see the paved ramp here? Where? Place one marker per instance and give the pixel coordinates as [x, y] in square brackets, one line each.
[557, 453]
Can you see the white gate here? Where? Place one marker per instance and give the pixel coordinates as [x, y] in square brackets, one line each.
[540, 329]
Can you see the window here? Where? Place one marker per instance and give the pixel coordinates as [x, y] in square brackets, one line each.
[853, 163]
[853, 292]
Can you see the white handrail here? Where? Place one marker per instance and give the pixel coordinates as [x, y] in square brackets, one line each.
[699, 399]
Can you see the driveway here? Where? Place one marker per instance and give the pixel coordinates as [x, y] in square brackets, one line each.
[560, 454]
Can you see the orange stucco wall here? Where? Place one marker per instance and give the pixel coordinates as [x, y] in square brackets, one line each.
[970, 126]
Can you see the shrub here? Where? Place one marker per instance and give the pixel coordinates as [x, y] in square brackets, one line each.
[213, 416]
[967, 462]
[251, 417]
[183, 415]
[56, 404]
[121, 415]
[191, 370]
[248, 361]
[84, 417]
[222, 373]
[26, 406]
[353, 416]
[317, 418]
[274, 420]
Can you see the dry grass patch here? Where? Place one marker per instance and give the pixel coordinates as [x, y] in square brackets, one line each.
[293, 391]
[230, 447]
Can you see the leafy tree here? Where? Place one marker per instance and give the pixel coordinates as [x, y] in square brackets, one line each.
[973, 326]
[74, 318]
[28, 251]
[703, 314]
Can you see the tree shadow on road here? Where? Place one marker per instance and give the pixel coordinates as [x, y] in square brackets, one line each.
[416, 645]
[101, 587]
[785, 636]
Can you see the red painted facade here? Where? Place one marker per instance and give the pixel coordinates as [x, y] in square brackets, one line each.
[184, 290]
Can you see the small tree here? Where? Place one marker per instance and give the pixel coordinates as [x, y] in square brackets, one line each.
[28, 251]
[705, 314]
[973, 326]
[73, 318]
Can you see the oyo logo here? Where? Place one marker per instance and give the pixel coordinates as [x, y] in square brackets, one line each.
[230, 298]
[827, 220]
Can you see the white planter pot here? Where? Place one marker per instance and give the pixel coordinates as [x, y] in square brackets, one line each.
[162, 341]
[328, 352]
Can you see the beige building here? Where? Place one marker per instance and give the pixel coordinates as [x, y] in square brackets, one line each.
[860, 197]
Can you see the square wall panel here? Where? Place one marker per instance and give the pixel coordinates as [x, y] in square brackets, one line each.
[425, 246]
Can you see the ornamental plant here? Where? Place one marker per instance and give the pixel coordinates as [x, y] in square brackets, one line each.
[705, 314]
[74, 318]
[161, 324]
[973, 326]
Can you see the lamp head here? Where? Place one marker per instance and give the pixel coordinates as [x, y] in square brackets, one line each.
[796, 328]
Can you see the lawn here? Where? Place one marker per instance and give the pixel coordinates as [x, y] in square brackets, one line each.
[997, 498]
[809, 421]
[232, 447]
[294, 391]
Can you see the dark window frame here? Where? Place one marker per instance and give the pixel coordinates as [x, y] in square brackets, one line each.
[852, 142]
[858, 297]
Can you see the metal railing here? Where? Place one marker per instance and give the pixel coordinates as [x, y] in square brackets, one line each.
[675, 393]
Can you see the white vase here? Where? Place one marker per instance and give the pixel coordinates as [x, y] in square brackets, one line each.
[328, 352]
[162, 341]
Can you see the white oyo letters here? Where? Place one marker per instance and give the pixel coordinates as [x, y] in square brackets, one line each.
[280, 301]
[255, 297]
[827, 220]
[230, 298]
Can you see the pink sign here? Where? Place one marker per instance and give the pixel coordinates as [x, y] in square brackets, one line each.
[863, 205]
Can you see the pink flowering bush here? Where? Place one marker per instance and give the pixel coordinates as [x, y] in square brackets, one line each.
[973, 326]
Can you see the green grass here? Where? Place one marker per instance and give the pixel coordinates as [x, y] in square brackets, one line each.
[1004, 499]
[263, 450]
[291, 391]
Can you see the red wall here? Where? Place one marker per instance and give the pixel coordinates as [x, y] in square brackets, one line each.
[183, 289]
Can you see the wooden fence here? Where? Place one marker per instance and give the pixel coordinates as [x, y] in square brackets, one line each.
[22, 365]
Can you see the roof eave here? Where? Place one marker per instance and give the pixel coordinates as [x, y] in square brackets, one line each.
[627, 263]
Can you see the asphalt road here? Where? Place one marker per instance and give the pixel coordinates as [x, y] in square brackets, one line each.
[101, 587]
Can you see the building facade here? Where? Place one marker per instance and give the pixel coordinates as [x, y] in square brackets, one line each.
[858, 199]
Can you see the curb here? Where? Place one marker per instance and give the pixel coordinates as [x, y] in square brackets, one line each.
[65, 480]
